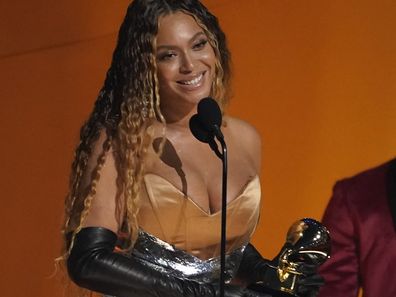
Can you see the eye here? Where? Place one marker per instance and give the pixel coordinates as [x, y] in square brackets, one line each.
[166, 56]
[200, 44]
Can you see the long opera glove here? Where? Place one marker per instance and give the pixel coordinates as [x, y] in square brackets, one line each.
[94, 265]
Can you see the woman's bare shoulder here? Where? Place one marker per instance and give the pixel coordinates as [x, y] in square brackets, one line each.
[246, 137]
[242, 129]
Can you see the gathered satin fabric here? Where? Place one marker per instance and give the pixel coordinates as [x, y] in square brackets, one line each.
[166, 213]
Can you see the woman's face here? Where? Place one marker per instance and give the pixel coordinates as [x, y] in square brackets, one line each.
[185, 61]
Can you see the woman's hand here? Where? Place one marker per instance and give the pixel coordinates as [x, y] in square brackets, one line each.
[309, 284]
[253, 269]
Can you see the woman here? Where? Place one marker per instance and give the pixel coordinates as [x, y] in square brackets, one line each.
[143, 213]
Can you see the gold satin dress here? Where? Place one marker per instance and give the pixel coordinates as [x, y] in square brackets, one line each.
[166, 213]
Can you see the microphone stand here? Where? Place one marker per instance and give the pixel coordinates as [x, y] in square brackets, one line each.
[223, 158]
[205, 126]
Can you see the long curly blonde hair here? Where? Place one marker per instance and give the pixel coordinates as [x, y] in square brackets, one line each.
[128, 105]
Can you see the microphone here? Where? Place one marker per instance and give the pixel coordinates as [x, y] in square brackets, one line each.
[199, 130]
[202, 134]
[210, 116]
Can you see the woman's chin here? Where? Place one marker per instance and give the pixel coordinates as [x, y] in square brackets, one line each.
[195, 97]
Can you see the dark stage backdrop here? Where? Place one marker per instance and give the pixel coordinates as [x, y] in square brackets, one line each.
[317, 79]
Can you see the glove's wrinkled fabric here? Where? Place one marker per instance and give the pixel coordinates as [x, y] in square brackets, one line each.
[309, 285]
[94, 265]
[253, 266]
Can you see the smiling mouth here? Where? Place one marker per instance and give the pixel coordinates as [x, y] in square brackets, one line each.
[193, 82]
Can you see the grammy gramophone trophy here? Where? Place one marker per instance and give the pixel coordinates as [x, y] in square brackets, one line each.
[307, 242]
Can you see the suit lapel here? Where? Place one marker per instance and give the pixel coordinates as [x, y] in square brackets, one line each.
[391, 189]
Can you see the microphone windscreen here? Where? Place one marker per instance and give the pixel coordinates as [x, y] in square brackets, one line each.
[198, 130]
[209, 113]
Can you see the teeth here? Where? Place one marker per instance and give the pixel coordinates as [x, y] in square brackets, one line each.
[193, 81]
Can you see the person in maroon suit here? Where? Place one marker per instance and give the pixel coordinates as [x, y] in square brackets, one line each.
[361, 218]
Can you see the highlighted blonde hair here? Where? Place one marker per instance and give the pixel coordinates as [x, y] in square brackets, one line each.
[128, 105]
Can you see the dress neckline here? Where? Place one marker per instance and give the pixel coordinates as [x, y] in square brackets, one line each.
[253, 180]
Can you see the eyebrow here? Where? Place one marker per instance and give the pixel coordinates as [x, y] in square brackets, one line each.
[172, 46]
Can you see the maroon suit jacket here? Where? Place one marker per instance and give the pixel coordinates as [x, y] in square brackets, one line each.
[361, 218]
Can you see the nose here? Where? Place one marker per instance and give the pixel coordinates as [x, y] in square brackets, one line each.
[187, 64]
